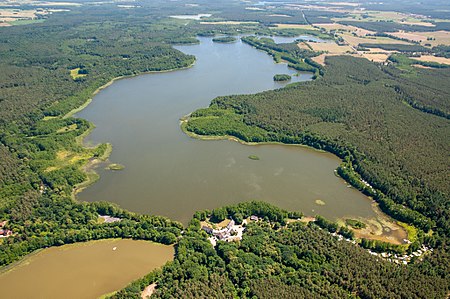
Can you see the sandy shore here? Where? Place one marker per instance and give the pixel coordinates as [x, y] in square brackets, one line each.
[148, 291]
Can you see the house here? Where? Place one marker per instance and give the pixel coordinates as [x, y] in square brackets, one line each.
[208, 229]
[254, 218]
[5, 233]
[230, 224]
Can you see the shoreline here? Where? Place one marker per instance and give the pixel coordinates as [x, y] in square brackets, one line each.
[89, 167]
[109, 83]
[380, 216]
[184, 120]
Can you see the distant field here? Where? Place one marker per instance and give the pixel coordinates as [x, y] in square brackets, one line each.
[440, 37]
[376, 57]
[296, 26]
[431, 58]
[355, 41]
[386, 16]
[321, 58]
[336, 26]
[10, 17]
[331, 48]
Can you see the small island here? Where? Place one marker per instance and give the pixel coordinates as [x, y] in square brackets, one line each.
[253, 157]
[281, 77]
[224, 39]
[115, 166]
[356, 224]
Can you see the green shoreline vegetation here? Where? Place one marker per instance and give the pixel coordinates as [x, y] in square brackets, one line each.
[344, 111]
[224, 39]
[282, 77]
[291, 251]
[115, 166]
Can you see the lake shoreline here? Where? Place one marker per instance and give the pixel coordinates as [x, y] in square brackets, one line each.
[381, 217]
[89, 167]
[184, 120]
[93, 176]
[159, 255]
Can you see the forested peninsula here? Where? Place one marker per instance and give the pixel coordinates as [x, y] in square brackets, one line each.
[377, 117]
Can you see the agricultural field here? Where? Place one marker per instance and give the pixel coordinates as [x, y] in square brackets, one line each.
[376, 97]
[431, 58]
[433, 38]
[387, 16]
[330, 47]
[345, 28]
[355, 41]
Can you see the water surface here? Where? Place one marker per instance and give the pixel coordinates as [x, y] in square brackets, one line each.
[168, 173]
[83, 270]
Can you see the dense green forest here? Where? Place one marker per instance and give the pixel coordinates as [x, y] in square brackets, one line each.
[357, 111]
[224, 39]
[40, 153]
[281, 77]
[381, 120]
[396, 47]
[279, 260]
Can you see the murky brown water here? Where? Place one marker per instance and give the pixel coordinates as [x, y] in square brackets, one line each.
[83, 270]
[168, 173]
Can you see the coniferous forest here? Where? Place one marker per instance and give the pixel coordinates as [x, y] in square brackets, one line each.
[388, 122]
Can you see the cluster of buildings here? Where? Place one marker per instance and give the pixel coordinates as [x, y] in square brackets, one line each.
[393, 257]
[403, 259]
[109, 219]
[229, 233]
[4, 233]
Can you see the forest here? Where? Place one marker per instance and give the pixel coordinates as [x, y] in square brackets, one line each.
[380, 120]
[294, 260]
[353, 111]
[40, 150]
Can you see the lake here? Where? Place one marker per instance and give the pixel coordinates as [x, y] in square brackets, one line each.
[168, 173]
[83, 270]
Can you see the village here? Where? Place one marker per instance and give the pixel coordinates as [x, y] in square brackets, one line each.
[227, 230]
[4, 233]
[390, 256]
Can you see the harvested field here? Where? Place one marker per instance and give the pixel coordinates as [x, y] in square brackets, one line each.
[321, 58]
[379, 50]
[378, 57]
[426, 24]
[440, 37]
[331, 48]
[386, 16]
[355, 41]
[414, 36]
[431, 58]
[336, 26]
[296, 26]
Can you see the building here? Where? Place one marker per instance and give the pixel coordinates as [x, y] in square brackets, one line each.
[208, 229]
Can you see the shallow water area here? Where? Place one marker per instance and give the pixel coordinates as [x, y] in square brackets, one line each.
[83, 270]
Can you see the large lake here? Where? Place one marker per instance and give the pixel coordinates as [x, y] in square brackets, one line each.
[83, 270]
[168, 173]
